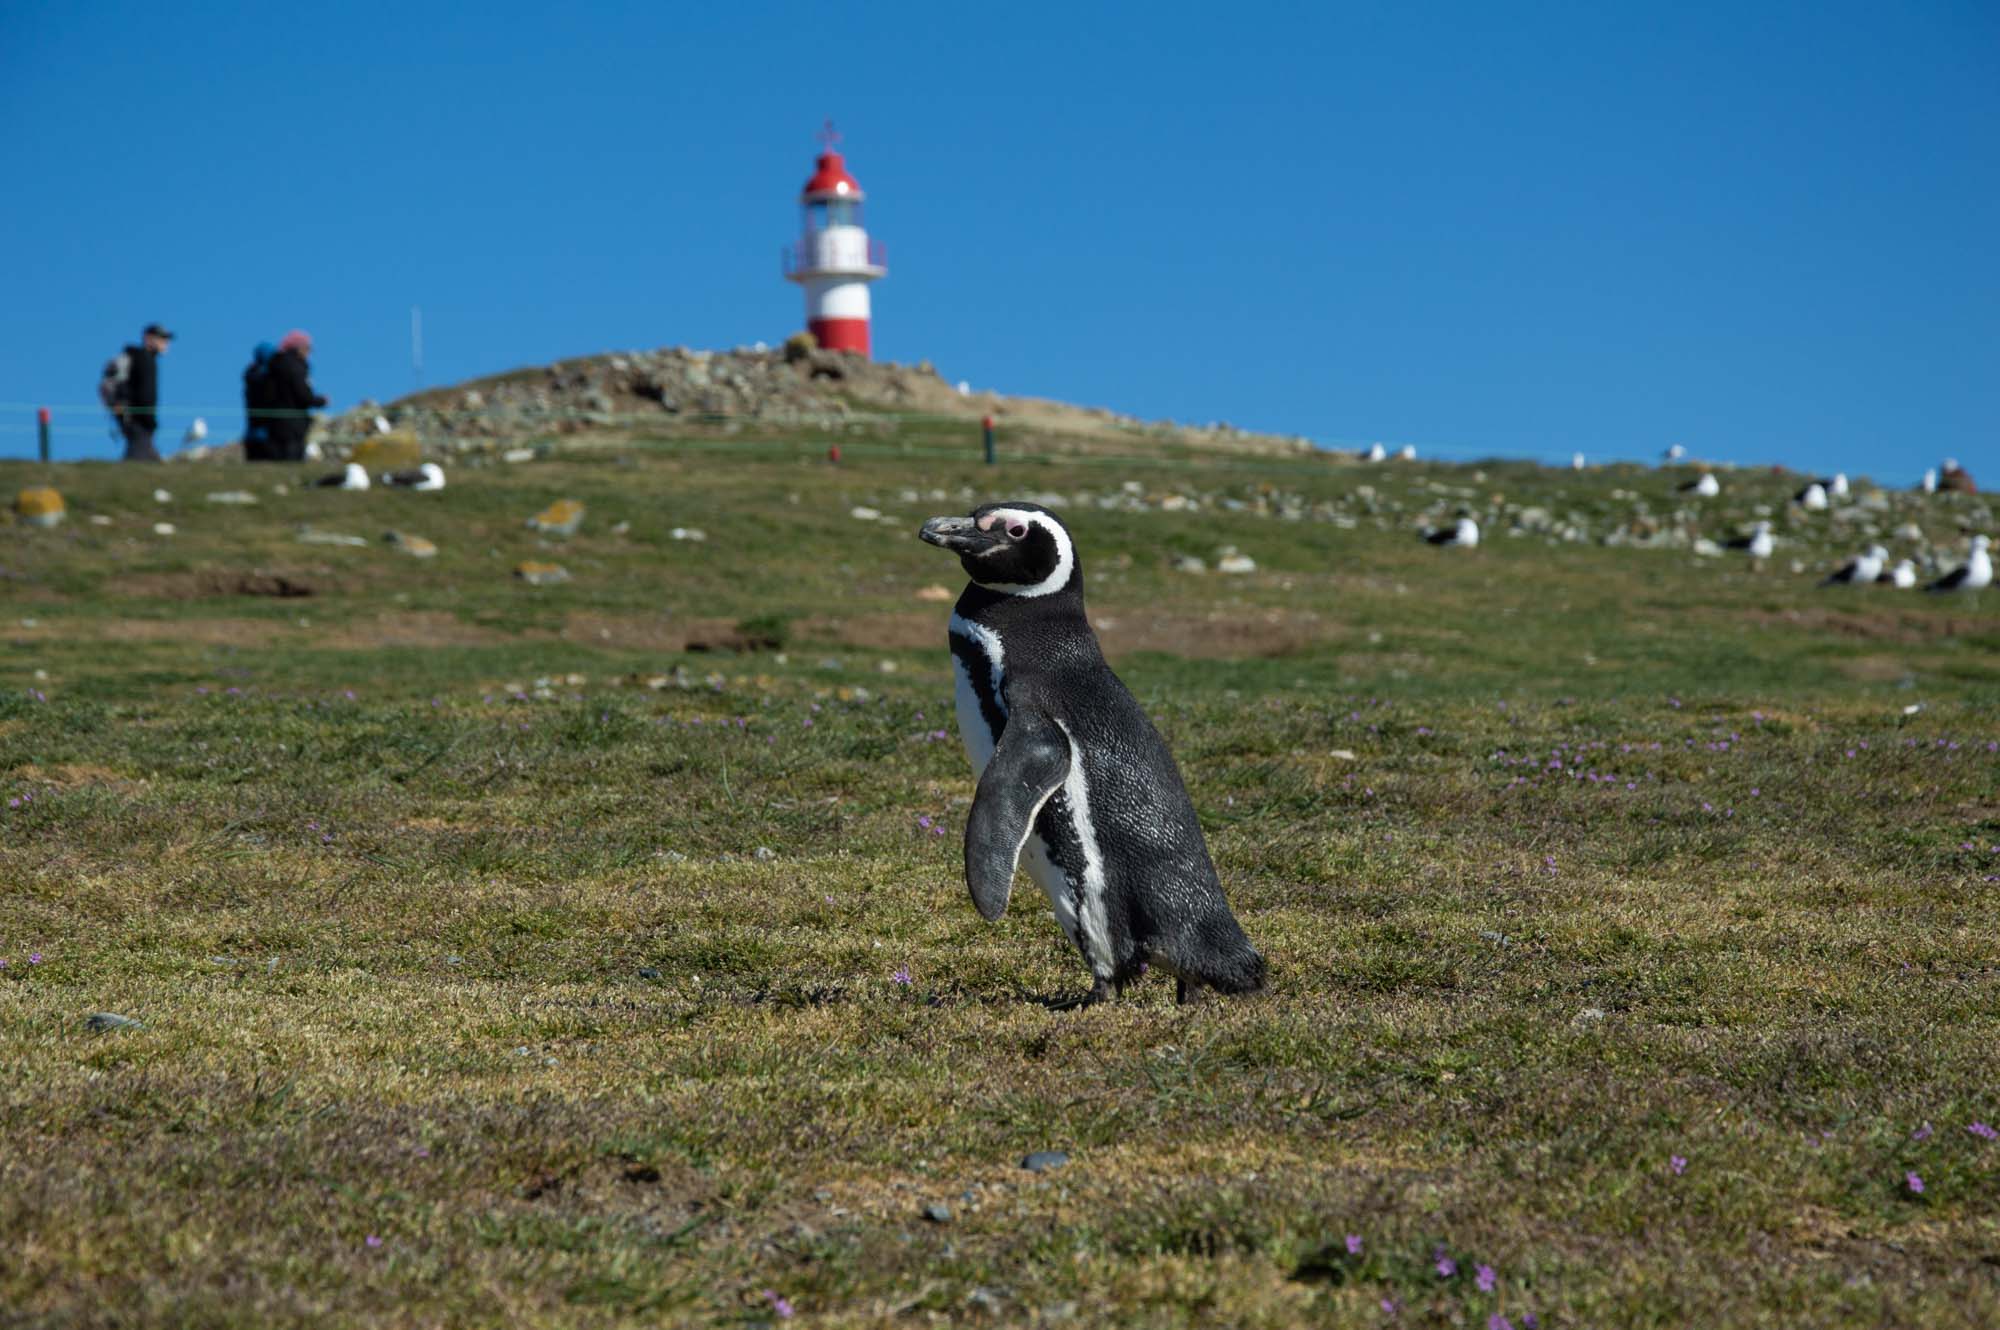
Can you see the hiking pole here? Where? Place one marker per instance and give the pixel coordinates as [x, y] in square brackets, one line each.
[42, 430]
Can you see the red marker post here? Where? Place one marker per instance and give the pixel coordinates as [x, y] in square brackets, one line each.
[986, 424]
[42, 430]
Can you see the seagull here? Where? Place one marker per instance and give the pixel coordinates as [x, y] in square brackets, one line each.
[1376, 453]
[1407, 453]
[1929, 483]
[1757, 544]
[1576, 461]
[1675, 452]
[382, 424]
[1903, 576]
[1976, 572]
[195, 432]
[1464, 534]
[1812, 498]
[1706, 488]
[1860, 570]
[353, 476]
[429, 476]
[1836, 485]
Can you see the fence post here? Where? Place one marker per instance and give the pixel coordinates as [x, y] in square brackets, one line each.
[42, 431]
[986, 425]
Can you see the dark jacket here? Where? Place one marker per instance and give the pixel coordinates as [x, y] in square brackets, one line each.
[142, 387]
[257, 404]
[291, 396]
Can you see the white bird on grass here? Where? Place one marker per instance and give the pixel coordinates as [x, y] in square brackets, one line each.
[1861, 570]
[353, 476]
[1758, 544]
[1463, 534]
[1975, 574]
[1812, 498]
[1707, 487]
[1903, 576]
[428, 477]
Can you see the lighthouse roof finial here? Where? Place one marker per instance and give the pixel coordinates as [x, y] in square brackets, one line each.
[830, 178]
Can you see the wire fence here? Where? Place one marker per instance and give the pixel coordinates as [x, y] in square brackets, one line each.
[73, 422]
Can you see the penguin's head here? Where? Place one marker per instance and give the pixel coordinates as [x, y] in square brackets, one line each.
[1017, 549]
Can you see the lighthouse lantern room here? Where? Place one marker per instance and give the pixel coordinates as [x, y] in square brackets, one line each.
[833, 258]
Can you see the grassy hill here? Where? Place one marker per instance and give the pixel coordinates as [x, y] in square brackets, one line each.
[546, 955]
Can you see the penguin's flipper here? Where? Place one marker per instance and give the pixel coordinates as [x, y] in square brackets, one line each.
[1029, 764]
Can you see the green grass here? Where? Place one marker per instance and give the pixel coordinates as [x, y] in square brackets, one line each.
[448, 928]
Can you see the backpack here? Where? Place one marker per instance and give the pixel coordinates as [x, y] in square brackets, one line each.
[114, 386]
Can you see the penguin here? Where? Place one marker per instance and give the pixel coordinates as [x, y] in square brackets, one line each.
[353, 476]
[1463, 534]
[429, 476]
[1757, 544]
[1706, 487]
[1975, 574]
[1861, 570]
[1074, 783]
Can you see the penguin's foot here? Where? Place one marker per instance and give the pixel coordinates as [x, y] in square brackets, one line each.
[1100, 991]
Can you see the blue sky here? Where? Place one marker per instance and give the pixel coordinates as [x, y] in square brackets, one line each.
[1766, 230]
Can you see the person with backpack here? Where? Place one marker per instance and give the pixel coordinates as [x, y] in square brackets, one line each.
[292, 396]
[130, 389]
[257, 444]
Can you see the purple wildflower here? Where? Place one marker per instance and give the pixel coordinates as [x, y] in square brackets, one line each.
[1914, 1183]
[1678, 1163]
[1982, 1131]
[34, 958]
[778, 1305]
[1389, 1306]
[1922, 1133]
[1446, 1267]
[1498, 1322]
[1485, 1278]
[1354, 1244]
[902, 975]
[373, 1239]
[1530, 1321]
[924, 823]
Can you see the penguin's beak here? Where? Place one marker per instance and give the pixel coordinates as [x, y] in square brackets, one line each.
[961, 535]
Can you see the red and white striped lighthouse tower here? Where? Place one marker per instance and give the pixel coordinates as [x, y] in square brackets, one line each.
[833, 257]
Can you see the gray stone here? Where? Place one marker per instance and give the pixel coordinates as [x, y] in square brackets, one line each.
[1042, 1161]
[938, 1212]
[649, 972]
[103, 1021]
[764, 854]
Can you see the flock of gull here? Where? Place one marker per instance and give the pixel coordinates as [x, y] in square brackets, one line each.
[1870, 567]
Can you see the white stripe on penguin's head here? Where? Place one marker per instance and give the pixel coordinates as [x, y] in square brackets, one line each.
[1021, 519]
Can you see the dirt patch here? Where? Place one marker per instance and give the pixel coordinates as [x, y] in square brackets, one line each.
[192, 632]
[67, 776]
[649, 633]
[1868, 625]
[1875, 668]
[212, 583]
[413, 628]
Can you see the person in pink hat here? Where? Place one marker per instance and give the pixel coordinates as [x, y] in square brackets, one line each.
[291, 397]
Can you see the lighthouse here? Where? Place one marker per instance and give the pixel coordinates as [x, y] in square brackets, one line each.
[833, 258]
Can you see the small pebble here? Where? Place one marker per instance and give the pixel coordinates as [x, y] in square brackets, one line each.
[765, 852]
[101, 1021]
[649, 972]
[1041, 1161]
[938, 1213]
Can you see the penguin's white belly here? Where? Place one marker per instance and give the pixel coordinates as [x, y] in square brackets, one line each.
[973, 731]
[1055, 884]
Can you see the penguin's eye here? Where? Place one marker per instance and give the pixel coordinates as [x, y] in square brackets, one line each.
[1016, 530]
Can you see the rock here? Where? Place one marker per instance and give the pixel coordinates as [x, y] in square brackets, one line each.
[938, 1212]
[518, 455]
[397, 450]
[561, 518]
[1343, 755]
[102, 1021]
[864, 513]
[161, 496]
[1232, 562]
[1043, 1161]
[1707, 549]
[163, 528]
[414, 546]
[240, 498]
[764, 854]
[688, 533]
[312, 536]
[1187, 563]
[934, 593]
[649, 972]
[40, 506]
[99, 519]
[541, 574]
